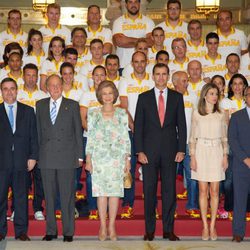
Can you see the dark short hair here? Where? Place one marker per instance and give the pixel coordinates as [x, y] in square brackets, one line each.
[30, 66]
[71, 51]
[244, 80]
[157, 28]
[219, 76]
[160, 65]
[8, 79]
[96, 40]
[194, 21]
[78, 29]
[112, 56]
[66, 65]
[15, 54]
[54, 6]
[173, 1]
[232, 54]
[98, 67]
[106, 84]
[161, 52]
[212, 35]
[94, 6]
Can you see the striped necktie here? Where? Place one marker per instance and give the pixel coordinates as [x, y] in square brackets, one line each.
[53, 113]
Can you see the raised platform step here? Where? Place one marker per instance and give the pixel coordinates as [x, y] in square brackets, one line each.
[132, 227]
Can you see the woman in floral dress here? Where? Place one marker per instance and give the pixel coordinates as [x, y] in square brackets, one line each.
[107, 155]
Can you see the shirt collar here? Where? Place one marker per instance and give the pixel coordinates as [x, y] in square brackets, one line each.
[58, 101]
[6, 105]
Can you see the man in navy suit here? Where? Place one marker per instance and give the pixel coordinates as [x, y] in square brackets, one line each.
[160, 142]
[18, 155]
[239, 141]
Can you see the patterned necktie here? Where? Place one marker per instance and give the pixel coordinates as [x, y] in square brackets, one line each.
[11, 117]
[161, 108]
[53, 113]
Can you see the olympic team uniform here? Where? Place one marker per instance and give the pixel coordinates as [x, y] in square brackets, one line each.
[196, 52]
[131, 87]
[180, 30]
[51, 67]
[101, 33]
[87, 70]
[49, 33]
[7, 37]
[211, 67]
[195, 88]
[82, 59]
[152, 54]
[30, 98]
[232, 43]
[73, 94]
[137, 28]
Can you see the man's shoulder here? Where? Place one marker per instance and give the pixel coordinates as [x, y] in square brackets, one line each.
[70, 102]
[42, 101]
[24, 107]
[238, 114]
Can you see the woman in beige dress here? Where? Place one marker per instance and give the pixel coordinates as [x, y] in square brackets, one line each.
[208, 150]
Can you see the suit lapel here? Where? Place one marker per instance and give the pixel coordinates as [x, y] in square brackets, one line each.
[5, 117]
[168, 107]
[19, 115]
[154, 107]
[60, 111]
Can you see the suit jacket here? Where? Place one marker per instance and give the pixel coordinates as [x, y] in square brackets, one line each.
[17, 148]
[239, 138]
[153, 139]
[60, 145]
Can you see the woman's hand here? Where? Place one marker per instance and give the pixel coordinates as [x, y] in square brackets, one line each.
[89, 166]
[127, 166]
[225, 163]
[193, 163]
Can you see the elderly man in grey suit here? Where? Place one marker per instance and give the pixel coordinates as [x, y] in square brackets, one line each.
[239, 141]
[60, 152]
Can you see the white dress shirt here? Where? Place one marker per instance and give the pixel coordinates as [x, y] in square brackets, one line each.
[157, 94]
[58, 104]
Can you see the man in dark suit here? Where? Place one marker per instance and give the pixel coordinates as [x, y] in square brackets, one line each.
[239, 141]
[60, 140]
[18, 155]
[160, 141]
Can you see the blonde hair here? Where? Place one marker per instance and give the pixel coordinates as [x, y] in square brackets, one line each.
[106, 84]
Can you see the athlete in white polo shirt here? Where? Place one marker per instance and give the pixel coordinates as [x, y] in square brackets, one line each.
[195, 81]
[173, 26]
[196, 47]
[14, 32]
[232, 40]
[53, 28]
[213, 63]
[79, 38]
[128, 28]
[96, 30]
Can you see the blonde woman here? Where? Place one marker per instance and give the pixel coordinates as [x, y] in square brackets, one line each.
[208, 150]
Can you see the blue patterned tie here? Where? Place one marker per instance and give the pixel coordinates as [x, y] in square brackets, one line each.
[53, 113]
[11, 117]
